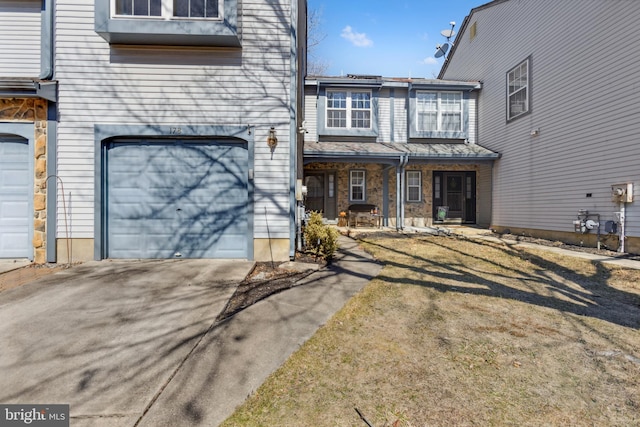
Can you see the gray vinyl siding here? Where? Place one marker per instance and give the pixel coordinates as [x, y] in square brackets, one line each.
[473, 118]
[311, 114]
[400, 106]
[484, 185]
[20, 26]
[384, 116]
[178, 86]
[583, 100]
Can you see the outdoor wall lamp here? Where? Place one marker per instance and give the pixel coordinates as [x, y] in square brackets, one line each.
[272, 140]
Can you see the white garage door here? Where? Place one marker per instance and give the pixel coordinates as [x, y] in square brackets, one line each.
[14, 198]
[171, 199]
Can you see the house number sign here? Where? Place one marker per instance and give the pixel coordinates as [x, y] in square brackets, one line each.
[175, 130]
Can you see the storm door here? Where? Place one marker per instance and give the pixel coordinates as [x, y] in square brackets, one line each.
[321, 193]
[454, 197]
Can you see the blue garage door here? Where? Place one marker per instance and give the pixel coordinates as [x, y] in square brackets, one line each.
[14, 198]
[174, 199]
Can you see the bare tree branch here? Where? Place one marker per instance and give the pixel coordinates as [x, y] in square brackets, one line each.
[315, 35]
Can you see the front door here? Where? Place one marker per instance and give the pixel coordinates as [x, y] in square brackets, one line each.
[453, 193]
[321, 193]
[454, 197]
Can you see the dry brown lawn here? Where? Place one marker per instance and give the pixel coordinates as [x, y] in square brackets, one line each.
[457, 332]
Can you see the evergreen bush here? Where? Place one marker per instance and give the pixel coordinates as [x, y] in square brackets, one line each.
[320, 239]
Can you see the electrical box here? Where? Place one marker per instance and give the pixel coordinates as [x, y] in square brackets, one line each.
[622, 193]
[301, 190]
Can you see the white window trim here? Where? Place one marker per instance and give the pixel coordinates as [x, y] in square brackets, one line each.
[419, 186]
[349, 110]
[439, 111]
[167, 13]
[525, 88]
[363, 185]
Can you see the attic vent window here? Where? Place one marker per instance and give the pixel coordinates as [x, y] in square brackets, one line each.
[473, 31]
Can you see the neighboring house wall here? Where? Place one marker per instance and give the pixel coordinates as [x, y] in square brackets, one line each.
[583, 103]
[176, 93]
[25, 132]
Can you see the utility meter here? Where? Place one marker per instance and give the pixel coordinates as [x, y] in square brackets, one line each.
[622, 193]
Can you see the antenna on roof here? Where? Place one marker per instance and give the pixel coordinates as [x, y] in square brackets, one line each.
[441, 50]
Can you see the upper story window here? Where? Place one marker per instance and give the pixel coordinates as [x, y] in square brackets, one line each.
[168, 9]
[349, 109]
[439, 111]
[518, 88]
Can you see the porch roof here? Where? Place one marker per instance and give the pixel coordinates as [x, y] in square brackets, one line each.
[387, 152]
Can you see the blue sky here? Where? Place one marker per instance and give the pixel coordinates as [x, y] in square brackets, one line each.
[391, 39]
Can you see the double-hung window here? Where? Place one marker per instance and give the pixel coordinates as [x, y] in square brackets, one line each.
[518, 88]
[357, 186]
[349, 109]
[439, 111]
[414, 186]
[168, 9]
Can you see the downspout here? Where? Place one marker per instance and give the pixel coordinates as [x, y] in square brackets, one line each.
[46, 73]
[398, 193]
[293, 131]
[46, 41]
[404, 159]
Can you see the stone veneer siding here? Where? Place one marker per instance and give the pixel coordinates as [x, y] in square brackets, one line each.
[418, 214]
[33, 110]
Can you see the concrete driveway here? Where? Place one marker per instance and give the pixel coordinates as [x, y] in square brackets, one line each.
[106, 337]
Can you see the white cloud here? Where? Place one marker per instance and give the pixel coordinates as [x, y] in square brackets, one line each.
[358, 39]
[430, 61]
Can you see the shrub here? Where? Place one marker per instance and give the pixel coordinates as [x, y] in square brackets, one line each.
[320, 239]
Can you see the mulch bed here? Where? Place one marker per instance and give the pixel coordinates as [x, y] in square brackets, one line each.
[264, 280]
